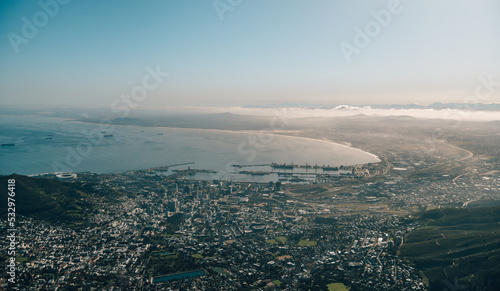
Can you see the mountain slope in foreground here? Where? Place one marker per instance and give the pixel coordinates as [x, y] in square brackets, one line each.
[47, 199]
[457, 248]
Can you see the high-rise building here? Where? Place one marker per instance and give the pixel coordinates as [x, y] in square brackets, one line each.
[173, 206]
[278, 186]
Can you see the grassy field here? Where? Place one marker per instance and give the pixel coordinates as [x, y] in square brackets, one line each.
[277, 282]
[337, 287]
[272, 241]
[277, 240]
[281, 239]
[304, 243]
[457, 243]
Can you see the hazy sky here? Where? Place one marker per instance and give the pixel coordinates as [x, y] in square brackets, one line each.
[247, 52]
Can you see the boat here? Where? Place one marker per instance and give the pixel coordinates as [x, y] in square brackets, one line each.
[254, 173]
[282, 166]
[8, 144]
[328, 168]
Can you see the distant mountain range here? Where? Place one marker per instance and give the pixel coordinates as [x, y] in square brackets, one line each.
[86, 114]
[437, 105]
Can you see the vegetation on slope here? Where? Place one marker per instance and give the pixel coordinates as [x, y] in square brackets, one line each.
[47, 199]
[458, 247]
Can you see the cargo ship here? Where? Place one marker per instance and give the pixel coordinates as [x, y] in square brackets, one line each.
[282, 166]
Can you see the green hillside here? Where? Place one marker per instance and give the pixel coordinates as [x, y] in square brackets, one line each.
[47, 199]
[461, 243]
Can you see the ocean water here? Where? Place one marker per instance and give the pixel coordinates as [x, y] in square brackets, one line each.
[47, 145]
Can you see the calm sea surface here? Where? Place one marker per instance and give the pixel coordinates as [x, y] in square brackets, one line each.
[46, 145]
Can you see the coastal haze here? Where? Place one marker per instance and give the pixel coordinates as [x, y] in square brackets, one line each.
[250, 145]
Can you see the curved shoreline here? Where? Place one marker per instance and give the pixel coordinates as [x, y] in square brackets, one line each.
[255, 132]
[322, 140]
[276, 144]
[243, 131]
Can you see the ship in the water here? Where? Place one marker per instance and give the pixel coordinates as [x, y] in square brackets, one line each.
[254, 173]
[282, 166]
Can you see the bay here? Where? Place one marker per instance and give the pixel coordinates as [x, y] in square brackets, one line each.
[47, 145]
